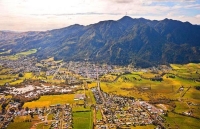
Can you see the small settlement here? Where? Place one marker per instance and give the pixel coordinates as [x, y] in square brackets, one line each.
[116, 111]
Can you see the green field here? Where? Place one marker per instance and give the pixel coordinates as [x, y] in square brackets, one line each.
[190, 70]
[19, 122]
[25, 53]
[21, 125]
[90, 97]
[20, 54]
[131, 84]
[82, 120]
[182, 122]
[43, 126]
[99, 115]
[136, 84]
[184, 75]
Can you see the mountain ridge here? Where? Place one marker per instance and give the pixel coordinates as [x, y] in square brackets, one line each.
[141, 42]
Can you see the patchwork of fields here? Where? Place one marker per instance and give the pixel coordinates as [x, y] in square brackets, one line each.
[173, 90]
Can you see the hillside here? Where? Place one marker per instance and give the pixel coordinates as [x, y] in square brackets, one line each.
[139, 41]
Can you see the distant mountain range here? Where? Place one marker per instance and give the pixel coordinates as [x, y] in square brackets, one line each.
[126, 41]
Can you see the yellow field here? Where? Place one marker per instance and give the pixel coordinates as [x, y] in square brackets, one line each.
[149, 75]
[16, 82]
[11, 79]
[48, 100]
[144, 127]
[8, 96]
[109, 78]
[28, 75]
[91, 85]
[4, 70]
[133, 85]
[2, 82]
[166, 88]
[22, 118]
[49, 59]
[176, 66]
[19, 122]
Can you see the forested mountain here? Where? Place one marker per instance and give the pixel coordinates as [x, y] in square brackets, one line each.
[139, 41]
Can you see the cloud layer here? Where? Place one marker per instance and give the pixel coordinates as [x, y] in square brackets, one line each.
[25, 15]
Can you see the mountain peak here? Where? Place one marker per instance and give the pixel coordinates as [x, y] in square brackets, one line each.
[126, 18]
[128, 40]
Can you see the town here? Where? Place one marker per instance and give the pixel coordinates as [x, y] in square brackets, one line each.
[88, 89]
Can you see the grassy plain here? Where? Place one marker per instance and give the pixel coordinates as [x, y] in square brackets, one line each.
[82, 120]
[90, 97]
[20, 54]
[134, 85]
[21, 125]
[91, 85]
[43, 126]
[19, 122]
[182, 122]
[26, 53]
[144, 127]
[14, 79]
[134, 82]
[99, 115]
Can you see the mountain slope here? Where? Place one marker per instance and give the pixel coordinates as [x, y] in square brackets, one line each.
[139, 41]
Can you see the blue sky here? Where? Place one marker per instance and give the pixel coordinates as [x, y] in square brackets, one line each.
[34, 15]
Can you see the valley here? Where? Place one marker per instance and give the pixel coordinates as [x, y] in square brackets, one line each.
[99, 64]
[47, 94]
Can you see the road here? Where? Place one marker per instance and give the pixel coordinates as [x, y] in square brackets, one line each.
[100, 106]
[100, 93]
[61, 118]
[153, 117]
[57, 71]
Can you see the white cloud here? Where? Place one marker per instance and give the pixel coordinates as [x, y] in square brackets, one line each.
[197, 16]
[48, 14]
[182, 16]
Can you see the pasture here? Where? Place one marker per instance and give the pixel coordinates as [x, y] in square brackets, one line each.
[182, 122]
[144, 127]
[140, 85]
[22, 122]
[14, 79]
[20, 54]
[21, 125]
[82, 120]
[133, 85]
[99, 115]
[26, 53]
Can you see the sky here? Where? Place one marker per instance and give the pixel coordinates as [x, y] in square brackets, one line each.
[41, 15]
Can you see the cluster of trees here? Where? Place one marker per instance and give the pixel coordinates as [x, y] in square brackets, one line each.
[197, 87]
